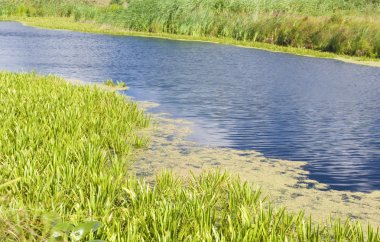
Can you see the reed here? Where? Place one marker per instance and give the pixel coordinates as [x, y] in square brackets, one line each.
[332, 26]
[346, 27]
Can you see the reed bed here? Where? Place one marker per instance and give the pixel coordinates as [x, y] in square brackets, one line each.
[346, 27]
[65, 149]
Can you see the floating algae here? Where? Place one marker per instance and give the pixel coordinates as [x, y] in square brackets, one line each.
[286, 183]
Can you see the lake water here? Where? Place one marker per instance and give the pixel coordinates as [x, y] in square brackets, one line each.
[321, 111]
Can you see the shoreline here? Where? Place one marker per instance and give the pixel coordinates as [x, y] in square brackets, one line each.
[295, 195]
[100, 85]
[284, 182]
[62, 23]
[73, 164]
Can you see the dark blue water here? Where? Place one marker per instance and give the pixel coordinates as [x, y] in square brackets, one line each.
[321, 111]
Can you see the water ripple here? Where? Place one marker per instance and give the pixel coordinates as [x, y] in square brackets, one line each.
[321, 111]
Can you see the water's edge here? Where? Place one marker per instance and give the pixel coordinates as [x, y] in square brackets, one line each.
[286, 183]
[42, 22]
[256, 104]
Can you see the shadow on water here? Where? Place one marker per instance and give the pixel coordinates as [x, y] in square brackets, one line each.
[324, 112]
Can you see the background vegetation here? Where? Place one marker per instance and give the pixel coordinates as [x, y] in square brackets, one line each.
[349, 27]
[64, 150]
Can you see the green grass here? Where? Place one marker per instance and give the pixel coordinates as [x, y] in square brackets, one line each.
[344, 27]
[65, 149]
[112, 83]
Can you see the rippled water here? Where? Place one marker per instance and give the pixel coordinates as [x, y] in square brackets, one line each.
[321, 111]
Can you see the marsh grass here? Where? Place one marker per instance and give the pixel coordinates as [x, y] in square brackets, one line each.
[64, 149]
[349, 27]
[303, 24]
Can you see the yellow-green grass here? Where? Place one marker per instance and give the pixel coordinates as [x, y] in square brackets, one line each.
[64, 23]
[66, 148]
[62, 147]
[342, 27]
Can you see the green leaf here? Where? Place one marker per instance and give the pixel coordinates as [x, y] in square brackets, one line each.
[80, 231]
[63, 227]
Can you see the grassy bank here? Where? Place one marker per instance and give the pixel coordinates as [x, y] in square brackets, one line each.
[316, 28]
[94, 27]
[65, 149]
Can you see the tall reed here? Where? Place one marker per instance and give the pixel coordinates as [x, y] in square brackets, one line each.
[349, 27]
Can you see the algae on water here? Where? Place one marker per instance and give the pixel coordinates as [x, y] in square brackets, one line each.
[285, 182]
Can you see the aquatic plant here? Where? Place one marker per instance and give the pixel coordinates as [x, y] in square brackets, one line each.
[121, 84]
[112, 83]
[59, 230]
[65, 149]
[348, 27]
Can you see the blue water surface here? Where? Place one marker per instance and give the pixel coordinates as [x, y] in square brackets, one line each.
[325, 112]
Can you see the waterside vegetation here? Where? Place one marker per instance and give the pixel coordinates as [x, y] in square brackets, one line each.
[115, 84]
[65, 150]
[346, 27]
